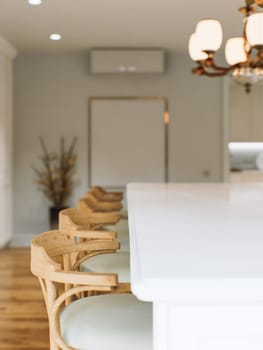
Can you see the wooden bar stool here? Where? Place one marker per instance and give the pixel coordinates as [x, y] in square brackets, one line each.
[108, 321]
[102, 194]
[74, 219]
[71, 222]
[87, 219]
[102, 205]
[121, 226]
[85, 204]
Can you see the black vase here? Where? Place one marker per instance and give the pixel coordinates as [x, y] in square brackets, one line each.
[53, 217]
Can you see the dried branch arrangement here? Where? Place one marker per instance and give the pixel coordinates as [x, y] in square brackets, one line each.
[55, 175]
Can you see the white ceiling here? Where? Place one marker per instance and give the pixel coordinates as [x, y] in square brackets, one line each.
[112, 23]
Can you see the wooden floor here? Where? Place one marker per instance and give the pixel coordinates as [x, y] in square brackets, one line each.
[23, 318]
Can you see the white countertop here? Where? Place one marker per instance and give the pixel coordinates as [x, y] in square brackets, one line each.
[196, 241]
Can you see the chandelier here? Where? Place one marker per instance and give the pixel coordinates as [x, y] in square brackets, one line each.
[243, 54]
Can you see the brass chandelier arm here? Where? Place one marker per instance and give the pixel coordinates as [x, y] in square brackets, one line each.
[259, 2]
[211, 74]
[203, 70]
[209, 68]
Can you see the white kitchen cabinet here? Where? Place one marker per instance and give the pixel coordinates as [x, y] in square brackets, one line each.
[245, 114]
[257, 114]
[7, 54]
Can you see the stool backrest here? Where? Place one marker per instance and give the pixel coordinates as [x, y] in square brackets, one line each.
[50, 253]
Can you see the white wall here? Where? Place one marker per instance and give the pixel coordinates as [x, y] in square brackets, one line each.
[51, 92]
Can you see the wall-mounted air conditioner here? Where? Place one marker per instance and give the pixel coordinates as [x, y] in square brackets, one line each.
[128, 61]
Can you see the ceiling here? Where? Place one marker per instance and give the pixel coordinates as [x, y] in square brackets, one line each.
[112, 23]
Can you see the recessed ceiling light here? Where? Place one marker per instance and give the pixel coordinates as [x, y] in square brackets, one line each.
[35, 2]
[55, 37]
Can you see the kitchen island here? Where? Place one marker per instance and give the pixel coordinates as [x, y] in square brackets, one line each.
[197, 254]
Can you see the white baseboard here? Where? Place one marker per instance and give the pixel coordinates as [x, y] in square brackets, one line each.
[21, 240]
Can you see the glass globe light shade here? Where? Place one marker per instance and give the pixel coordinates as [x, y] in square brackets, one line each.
[195, 52]
[248, 75]
[210, 33]
[254, 29]
[234, 51]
